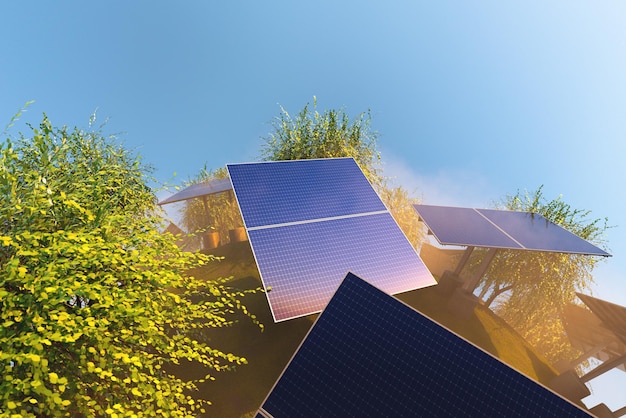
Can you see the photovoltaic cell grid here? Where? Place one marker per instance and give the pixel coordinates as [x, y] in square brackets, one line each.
[369, 354]
[291, 191]
[502, 229]
[305, 263]
[612, 316]
[311, 221]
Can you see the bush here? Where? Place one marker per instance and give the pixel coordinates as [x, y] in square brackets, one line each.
[95, 304]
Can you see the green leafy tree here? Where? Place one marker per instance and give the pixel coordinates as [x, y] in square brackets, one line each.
[96, 310]
[311, 134]
[399, 202]
[531, 289]
[330, 134]
[218, 212]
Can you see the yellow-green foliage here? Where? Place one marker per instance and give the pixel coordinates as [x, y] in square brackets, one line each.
[324, 135]
[221, 212]
[95, 308]
[332, 134]
[531, 289]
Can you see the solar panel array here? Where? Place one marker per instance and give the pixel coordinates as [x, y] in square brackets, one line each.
[199, 190]
[369, 354]
[311, 221]
[612, 316]
[501, 229]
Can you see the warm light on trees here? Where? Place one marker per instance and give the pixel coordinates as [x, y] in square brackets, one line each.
[217, 212]
[531, 289]
[95, 304]
[330, 134]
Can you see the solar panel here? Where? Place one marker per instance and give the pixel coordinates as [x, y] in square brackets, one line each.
[463, 226]
[369, 354]
[612, 316]
[291, 191]
[199, 190]
[310, 221]
[303, 264]
[537, 233]
[502, 229]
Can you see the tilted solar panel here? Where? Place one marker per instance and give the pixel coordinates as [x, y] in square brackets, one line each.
[369, 354]
[303, 264]
[291, 191]
[463, 226]
[537, 233]
[310, 221]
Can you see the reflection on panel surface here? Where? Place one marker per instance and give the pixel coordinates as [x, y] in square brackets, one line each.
[537, 233]
[502, 229]
[304, 264]
[292, 191]
[311, 221]
[463, 226]
[369, 354]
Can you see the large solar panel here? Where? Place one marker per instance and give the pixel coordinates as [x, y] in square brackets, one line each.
[612, 316]
[501, 229]
[310, 221]
[304, 263]
[291, 191]
[199, 190]
[369, 354]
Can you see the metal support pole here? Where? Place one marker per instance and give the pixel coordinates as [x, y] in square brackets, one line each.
[482, 269]
[206, 210]
[464, 259]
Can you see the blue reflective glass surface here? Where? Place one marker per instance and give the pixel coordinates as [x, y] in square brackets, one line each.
[305, 263]
[291, 191]
[369, 355]
[463, 226]
[537, 233]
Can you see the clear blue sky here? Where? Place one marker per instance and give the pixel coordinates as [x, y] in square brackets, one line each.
[473, 101]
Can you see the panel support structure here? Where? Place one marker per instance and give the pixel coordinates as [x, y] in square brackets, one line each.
[464, 259]
[482, 269]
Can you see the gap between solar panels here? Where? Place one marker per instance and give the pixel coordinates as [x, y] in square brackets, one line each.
[310, 221]
[369, 354]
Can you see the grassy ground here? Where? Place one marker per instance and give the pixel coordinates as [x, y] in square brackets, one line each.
[238, 393]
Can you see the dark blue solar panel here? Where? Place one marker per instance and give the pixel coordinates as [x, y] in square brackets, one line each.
[305, 263]
[370, 355]
[537, 233]
[292, 191]
[463, 226]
